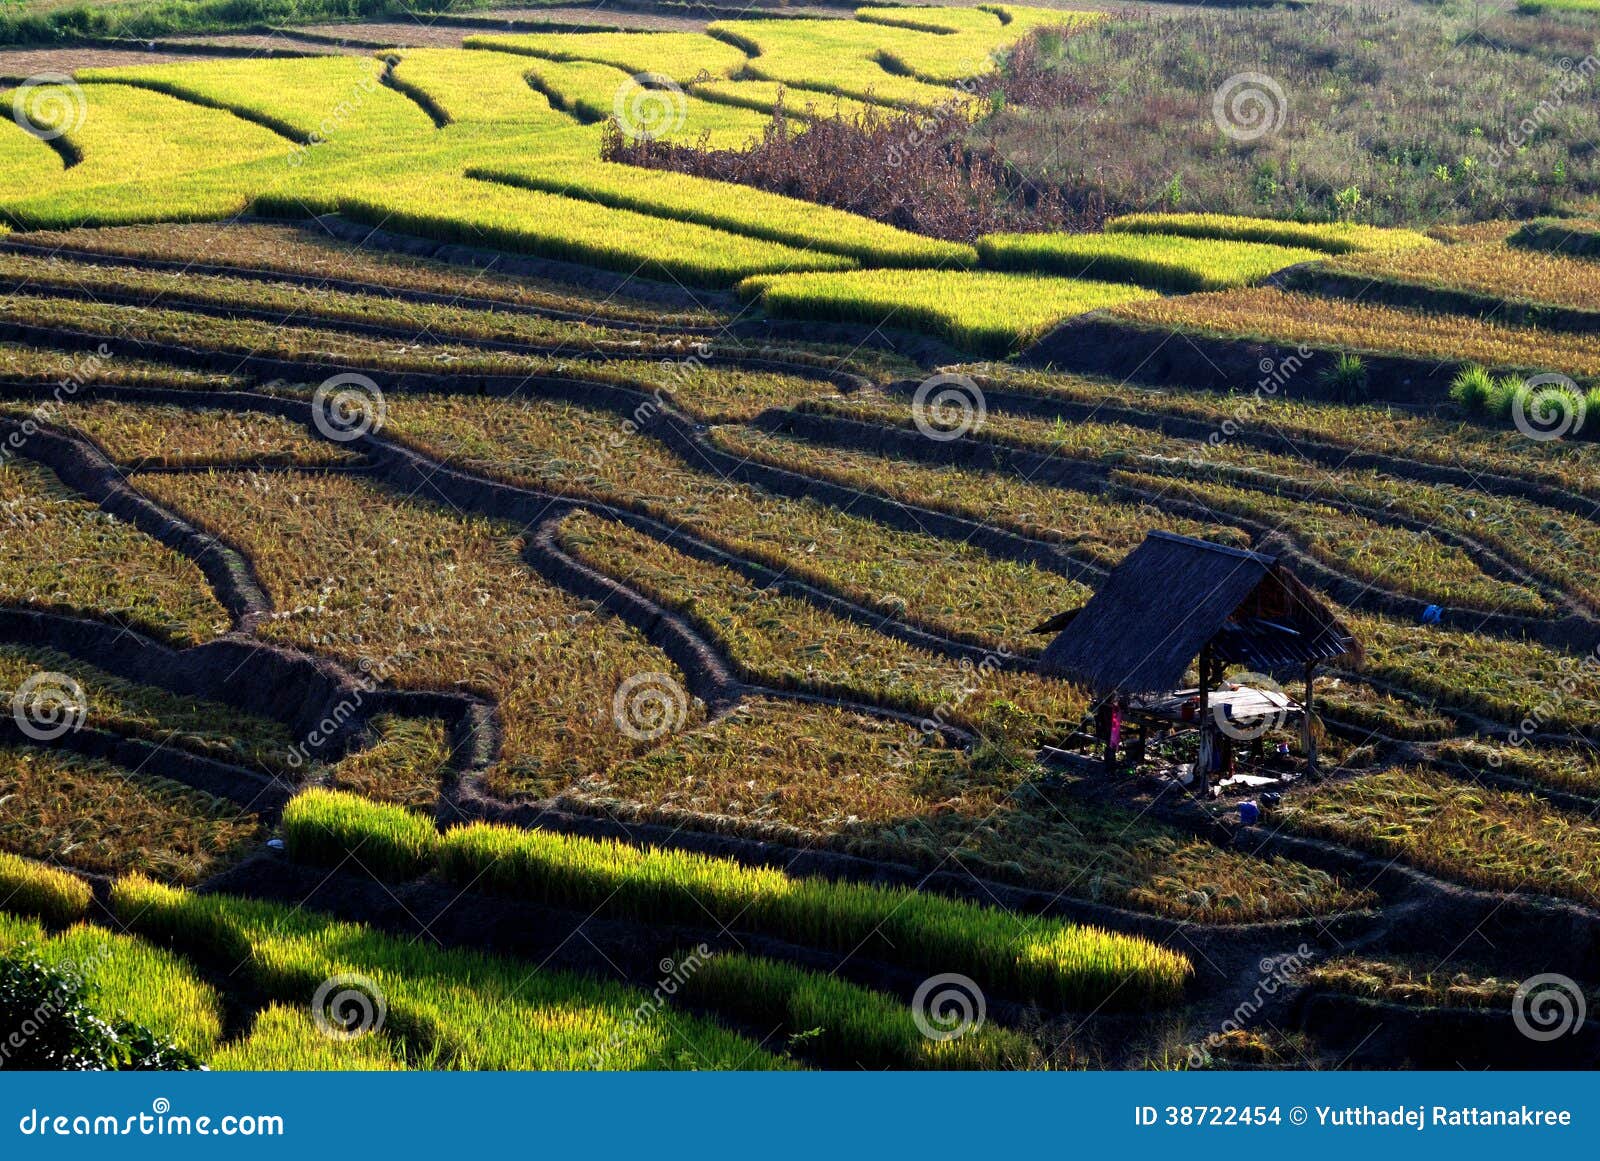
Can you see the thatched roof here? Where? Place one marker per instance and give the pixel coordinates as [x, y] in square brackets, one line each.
[1172, 596]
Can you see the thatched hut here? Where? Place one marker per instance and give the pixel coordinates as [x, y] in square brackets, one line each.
[1176, 602]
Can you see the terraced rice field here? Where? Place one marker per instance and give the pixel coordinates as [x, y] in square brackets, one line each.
[542, 570]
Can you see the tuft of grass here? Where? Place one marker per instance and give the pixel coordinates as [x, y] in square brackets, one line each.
[134, 981]
[1473, 388]
[126, 979]
[329, 827]
[1347, 379]
[1415, 981]
[1571, 768]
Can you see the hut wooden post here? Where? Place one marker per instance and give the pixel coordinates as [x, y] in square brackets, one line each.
[1309, 735]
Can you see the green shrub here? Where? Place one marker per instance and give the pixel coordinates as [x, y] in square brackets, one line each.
[46, 892]
[329, 827]
[52, 1027]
